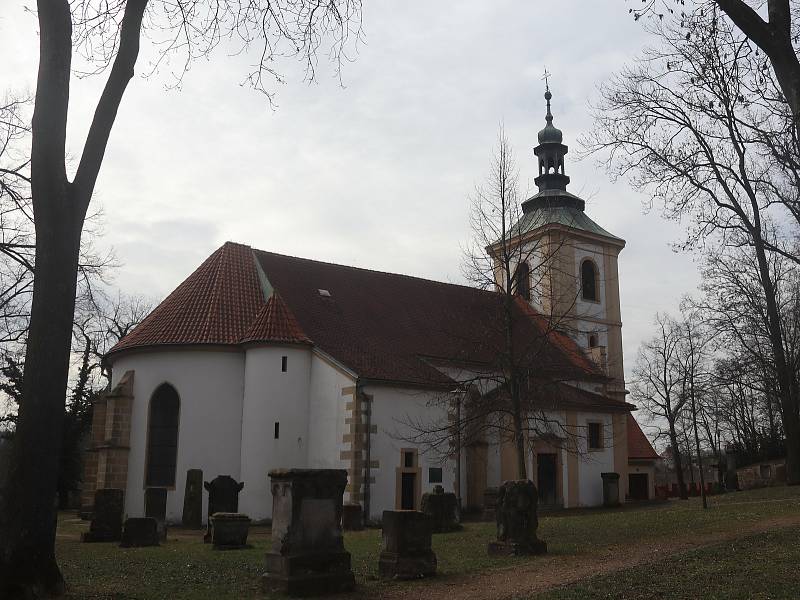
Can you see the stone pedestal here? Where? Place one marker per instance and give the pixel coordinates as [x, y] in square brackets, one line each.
[442, 509]
[352, 517]
[229, 530]
[610, 489]
[106, 525]
[140, 532]
[223, 497]
[490, 503]
[155, 507]
[307, 555]
[192, 517]
[406, 546]
[517, 520]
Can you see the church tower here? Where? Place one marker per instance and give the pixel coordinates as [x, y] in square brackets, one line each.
[569, 266]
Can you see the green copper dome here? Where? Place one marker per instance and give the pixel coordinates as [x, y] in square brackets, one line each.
[550, 133]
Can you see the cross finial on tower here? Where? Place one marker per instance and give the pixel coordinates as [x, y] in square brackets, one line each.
[547, 94]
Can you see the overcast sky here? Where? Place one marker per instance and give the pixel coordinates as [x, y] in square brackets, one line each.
[374, 174]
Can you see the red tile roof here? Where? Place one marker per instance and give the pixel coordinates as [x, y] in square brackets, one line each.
[214, 305]
[275, 323]
[638, 444]
[382, 326]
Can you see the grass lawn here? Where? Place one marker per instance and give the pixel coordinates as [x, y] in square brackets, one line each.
[756, 566]
[184, 567]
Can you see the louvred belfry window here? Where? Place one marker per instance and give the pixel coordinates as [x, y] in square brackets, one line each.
[524, 280]
[589, 281]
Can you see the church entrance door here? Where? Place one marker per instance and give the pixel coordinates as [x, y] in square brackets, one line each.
[638, 486]
[546, 477]
[408, 486]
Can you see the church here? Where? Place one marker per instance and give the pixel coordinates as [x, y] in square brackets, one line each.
[260, 361]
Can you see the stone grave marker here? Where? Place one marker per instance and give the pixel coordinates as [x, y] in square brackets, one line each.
[307, 556]
[192, 517]
[352, 517]
[229, 530]
[406, 545]
[155, 507]
[140, 532]
[442, 508]
[106, 525]
[517, 520]
[610, 489]
[490, 503]
[223, 497]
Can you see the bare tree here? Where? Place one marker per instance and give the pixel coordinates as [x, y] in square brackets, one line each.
[656, 386]
[776, 35]
[677, 124]
[694, 362]
[108, 36]
[514, 392]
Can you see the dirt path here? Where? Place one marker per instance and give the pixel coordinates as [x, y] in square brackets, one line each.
[551, 571]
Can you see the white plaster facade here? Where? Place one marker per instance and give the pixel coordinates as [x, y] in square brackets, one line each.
[230, 402]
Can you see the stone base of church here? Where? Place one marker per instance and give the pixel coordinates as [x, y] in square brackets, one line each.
[517, 548]
[308, 574]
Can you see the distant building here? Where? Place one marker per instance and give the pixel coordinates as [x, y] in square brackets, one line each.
[260, 361]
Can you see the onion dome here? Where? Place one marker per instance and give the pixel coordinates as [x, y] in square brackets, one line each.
[550, 133]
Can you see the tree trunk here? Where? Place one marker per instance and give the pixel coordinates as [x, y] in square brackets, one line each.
[28, 567]
[676, 453]
[787, 379]
[699, 453]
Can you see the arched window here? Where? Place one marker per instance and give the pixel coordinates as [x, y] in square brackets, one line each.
[589, 280]
[524, 280]
[593, 341]
[162, 439]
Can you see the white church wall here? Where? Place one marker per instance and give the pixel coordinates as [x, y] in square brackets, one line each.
[592, 463]
[209, 384]
[273, 396]
[326, 410]
[392, 409]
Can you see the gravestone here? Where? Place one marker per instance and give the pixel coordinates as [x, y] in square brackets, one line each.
[352, 517]
[229, 530]
[610, 489]
[140, 532]
[490, 503]
[106, 525]
[192, 517]
[155, 507]
[442, 508]
[406, 545]
[223, 497]
[517, 520]
[307, 556]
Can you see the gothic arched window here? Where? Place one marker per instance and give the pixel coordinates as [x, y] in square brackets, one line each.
[524, 280]
[589, 280]
[162, 438]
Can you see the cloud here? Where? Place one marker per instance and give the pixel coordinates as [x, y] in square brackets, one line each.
[375, 173]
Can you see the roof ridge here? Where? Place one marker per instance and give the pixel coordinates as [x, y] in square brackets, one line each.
[364, 269]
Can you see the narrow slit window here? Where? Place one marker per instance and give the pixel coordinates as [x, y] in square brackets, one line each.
[284, 363]
[277, 430]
